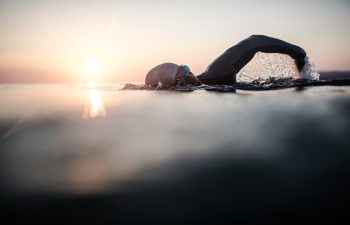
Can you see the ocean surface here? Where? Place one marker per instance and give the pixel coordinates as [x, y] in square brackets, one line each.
[73, 154]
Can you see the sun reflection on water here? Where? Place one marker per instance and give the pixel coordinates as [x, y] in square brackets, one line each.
[94, 107]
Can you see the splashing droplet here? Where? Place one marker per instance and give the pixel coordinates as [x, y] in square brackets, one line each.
[273, 65]
[309, 71]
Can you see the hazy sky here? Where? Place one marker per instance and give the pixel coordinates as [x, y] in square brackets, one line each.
[45, 40]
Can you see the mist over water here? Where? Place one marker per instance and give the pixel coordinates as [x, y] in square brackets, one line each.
[264, 66]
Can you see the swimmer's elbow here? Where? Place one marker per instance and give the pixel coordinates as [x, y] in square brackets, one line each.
[255, 35]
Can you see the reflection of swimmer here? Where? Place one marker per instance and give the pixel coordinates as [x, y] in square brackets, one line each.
[223, 70]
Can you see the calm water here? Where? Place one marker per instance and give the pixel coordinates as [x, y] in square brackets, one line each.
[288, 146]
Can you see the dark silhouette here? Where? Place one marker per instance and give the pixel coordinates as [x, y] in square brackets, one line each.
[223, 70]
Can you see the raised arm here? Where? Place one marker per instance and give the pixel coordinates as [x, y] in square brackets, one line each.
[223, 70]
[261, 43]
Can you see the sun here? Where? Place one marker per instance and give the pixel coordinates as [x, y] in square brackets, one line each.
[92, 65]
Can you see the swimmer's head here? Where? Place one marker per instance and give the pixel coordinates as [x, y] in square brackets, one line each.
[185, 77]
[170, 74]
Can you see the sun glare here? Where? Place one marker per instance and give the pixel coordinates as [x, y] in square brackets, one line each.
[94, 107]
[92, 65]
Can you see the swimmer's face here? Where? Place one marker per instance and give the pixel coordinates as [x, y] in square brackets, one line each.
[185, 77]
[192, 79]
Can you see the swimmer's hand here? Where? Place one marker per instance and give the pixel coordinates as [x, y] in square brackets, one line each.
[300, 59]
[300, 63]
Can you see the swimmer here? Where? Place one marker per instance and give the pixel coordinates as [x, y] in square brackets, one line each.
[224, 69]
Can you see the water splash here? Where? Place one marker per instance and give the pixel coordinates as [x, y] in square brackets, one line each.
[279, 66]
[309, 71]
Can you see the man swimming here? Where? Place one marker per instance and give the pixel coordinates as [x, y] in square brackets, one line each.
[224, 69]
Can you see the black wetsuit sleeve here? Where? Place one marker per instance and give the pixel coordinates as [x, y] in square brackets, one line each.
[273, 45]
[223, 70]
[247, 48]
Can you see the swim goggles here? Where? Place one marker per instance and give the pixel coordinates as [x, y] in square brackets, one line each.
[185, 71]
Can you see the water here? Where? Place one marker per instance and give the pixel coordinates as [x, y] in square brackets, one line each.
[170, 156]
[264, 66]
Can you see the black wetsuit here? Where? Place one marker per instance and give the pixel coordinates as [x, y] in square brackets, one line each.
[224, 69]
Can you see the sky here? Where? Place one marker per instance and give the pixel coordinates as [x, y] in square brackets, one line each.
[121, 40]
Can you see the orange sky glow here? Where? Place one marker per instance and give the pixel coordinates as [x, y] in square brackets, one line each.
[119, 41]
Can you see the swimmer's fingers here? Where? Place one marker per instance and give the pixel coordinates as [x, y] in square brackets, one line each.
[300, 63]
